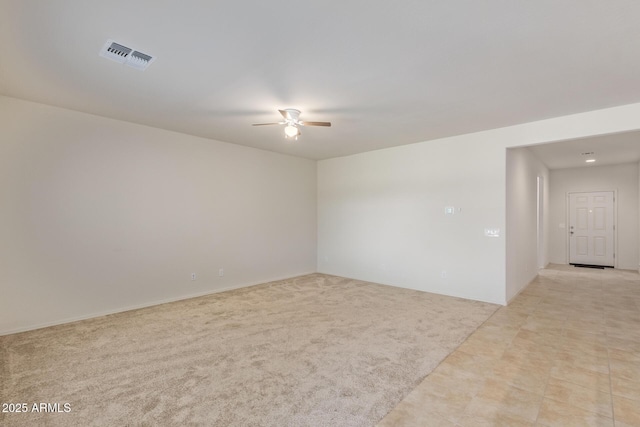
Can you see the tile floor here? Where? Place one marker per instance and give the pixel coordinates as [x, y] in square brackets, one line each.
[565, 352]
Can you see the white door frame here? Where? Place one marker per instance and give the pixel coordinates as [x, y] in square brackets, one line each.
[540, 223]
[615, 224]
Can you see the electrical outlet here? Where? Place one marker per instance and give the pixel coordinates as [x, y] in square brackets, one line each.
[221, 272]
[193, 276]
[443, 274]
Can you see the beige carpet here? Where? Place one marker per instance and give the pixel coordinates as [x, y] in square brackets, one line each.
[315, 350]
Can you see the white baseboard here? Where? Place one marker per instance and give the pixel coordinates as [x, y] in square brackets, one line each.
[143, 305]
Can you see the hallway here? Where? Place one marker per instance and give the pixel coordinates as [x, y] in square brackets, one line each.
[565, 352]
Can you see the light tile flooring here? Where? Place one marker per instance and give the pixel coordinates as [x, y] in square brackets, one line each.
[565, 352]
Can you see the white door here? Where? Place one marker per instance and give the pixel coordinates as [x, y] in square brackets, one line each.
[591, 228]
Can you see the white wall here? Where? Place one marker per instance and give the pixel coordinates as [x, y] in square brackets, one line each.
[523, 170]
[99, 215]
[624, 179]
[381, 218]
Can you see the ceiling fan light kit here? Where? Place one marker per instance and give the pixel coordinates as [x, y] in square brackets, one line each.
[291, 131]
[293, 123]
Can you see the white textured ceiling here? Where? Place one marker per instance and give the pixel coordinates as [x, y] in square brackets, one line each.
[384, 73]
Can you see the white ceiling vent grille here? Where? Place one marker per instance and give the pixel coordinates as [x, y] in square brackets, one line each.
[126, 55]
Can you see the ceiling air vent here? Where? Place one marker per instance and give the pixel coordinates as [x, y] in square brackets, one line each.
[126, 55]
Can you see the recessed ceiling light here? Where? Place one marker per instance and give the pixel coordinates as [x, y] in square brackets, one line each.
[590, 160]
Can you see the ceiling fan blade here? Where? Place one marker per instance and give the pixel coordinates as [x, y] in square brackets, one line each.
[286, 114]
[315, 123]
[267, 124]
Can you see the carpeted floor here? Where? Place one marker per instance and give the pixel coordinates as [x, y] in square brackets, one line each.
[315, 350]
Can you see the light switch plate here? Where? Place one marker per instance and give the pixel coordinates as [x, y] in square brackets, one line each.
[492, 232]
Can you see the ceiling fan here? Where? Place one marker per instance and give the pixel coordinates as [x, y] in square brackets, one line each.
[293, 123]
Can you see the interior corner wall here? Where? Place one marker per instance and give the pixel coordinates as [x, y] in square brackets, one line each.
[624, 179]
[523, 170]
[100, 215]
